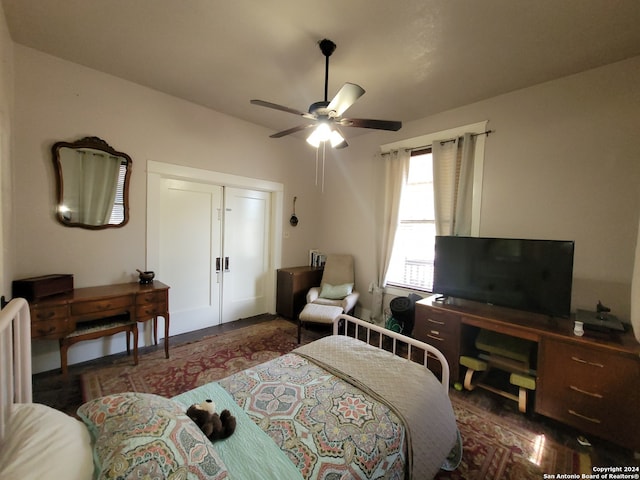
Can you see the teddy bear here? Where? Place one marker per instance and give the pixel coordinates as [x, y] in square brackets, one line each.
[214, 426]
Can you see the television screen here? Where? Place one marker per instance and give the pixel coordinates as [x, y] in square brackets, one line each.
[530, 275]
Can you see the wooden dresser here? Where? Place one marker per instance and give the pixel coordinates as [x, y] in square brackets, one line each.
[591, 382]
[292, 286]
[57, 316]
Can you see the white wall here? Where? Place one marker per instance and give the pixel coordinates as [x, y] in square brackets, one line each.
[563, 163]
[58, 100]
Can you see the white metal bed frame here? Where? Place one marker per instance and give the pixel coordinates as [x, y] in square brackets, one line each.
[15, 352]
[430, 352]
[15, 358]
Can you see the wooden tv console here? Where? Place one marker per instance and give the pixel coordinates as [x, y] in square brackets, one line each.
[591, 383]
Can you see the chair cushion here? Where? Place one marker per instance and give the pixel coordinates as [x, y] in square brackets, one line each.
[473, 363]
[524, 381]
[313, 312]
[336, 292]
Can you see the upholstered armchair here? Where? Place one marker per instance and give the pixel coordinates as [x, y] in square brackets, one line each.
[334, 296]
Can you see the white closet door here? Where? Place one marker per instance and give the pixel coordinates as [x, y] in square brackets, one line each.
[190, 240]
[247, 220]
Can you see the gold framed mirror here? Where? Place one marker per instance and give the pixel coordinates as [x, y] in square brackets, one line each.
[92, 182]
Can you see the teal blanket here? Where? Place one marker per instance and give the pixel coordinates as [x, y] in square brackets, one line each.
[249, 454]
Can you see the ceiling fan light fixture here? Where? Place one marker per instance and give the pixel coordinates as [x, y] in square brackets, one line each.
[324, 133]
[336, 139]
[320, 134]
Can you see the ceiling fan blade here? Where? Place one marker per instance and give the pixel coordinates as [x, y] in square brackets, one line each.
[370, 123]
[291, 130]
[346, 96]
[282, 108]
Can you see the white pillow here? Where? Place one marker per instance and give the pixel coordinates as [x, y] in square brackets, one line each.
[41, 442]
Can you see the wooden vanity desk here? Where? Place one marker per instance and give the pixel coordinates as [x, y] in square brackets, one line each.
[58, 316]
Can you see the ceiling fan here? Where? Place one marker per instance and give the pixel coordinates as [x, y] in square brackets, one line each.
[327, 116]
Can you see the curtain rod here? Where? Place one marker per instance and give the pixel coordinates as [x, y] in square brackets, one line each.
[442, 142]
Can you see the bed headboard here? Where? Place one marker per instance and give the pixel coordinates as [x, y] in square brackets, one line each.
[15, 358]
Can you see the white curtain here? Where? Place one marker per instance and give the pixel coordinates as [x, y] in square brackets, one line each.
[453, 163]
[635, 291]
[396, 171]
[100, 181]
[90, 181]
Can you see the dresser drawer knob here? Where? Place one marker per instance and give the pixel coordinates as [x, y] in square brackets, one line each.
[593, 364]
[435, 338]
[585, 392]
[435, 321]
[584, 417]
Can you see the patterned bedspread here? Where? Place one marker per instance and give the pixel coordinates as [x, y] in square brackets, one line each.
[332, 429]
[326, 426]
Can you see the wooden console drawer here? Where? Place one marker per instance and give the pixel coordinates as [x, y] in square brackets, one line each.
[50, 321]
[54, 328]
[48, 313]
[591, 389]
[101, 306]
[147, 312]
[442, 330]
[151, 297]
[441, 321]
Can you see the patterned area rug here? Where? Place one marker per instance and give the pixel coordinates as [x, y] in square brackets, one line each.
[494, 446]
[193, 364]
[497, 447]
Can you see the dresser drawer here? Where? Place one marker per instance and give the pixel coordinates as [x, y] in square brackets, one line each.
[48, 313]
[151, 297]
[437, 337]
[431, 319]
[147, 312]
[53, 328]
[442, 330]
[101, 306]
[589, 388]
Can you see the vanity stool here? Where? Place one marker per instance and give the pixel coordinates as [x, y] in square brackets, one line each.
[92, 330]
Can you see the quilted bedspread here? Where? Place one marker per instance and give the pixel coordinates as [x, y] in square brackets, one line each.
[396, 425]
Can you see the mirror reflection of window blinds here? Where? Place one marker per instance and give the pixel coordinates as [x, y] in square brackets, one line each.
[117, 213]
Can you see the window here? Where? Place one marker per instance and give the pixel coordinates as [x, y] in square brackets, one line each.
[117, 212]
[412, 259]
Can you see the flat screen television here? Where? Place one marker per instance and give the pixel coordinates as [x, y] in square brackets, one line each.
[530, 275]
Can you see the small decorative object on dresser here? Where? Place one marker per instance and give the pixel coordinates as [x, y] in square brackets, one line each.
[145, 277]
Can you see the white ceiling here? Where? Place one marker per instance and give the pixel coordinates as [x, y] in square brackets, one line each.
[413, 57]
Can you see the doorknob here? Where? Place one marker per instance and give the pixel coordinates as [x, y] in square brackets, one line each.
[217, 264]
[226, 264]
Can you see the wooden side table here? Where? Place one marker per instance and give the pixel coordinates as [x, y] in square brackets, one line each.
[293, 283]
